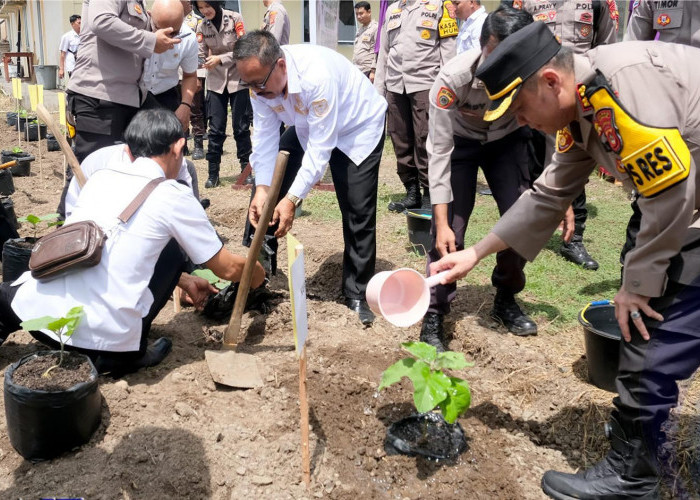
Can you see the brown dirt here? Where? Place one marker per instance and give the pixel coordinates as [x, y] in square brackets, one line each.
[73, 370]
[170, 432]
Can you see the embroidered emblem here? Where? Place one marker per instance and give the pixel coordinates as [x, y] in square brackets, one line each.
[564, 140]
[541, 17]
[321, 108]
[586, 17]
[581, 94]
[299, 106]
[396, 11]
[635, 4]
[278, 109]
[607, 129]
[445, 98]
[427, 23]
[425, 35]
[240, 30]
[614, 13]
[430, 7]
[552, 15]
[271, 19]
[200, 37]
[138, 9]
[393, 24]
[517, 4]
[585, 30]
[663, 20]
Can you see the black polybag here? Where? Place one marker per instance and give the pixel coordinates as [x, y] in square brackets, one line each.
[15, 259]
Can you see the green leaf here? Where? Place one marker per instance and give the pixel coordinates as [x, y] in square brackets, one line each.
[396, 372]
[48, 217]
[421, 350]
[31, 218]
[222, 284]
[458, 399]
[430, 387]
[37, 323]
[452, 361]
[17, 149]
[207, 274]
[56, 223]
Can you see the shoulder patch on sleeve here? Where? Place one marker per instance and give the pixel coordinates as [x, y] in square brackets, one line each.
[614, 13]
[445, 98]
[320, 107]
[271, 19]
[200, 37]
[518, 4]
[240, 30]
[564, 140]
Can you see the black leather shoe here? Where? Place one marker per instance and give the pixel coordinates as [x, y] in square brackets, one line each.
[575, 252]
[212, 182]
[432, 332]
[507, 312]
[362, 309]
[198, 153]
[627, 472]
[155, 353]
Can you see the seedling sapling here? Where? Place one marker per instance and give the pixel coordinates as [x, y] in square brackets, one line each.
[34, 220]
[431, 387]
[61, 327]
[212, 278]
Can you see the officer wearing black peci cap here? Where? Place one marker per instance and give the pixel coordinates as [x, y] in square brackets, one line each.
[648, 138]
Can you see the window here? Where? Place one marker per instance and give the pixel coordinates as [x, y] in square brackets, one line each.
[346, 21]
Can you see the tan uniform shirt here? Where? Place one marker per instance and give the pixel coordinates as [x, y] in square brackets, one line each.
[276, 21]
[220, 43]
[417, 40]
[193, 21]
[676, 21]
[363, 55]
[574, 22]
[670, 216]
[114, 42]
[457, 105]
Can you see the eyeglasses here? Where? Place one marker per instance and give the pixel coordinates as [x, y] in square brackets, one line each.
[261, 85]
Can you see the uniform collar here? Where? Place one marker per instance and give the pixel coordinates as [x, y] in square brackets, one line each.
[293, 77]
[143, 167]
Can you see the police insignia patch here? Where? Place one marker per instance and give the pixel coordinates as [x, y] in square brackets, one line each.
[607, 129]
[581, 94]
[564, 140]
[430, 7]
[427, 23]
[425, 35]
[200, 37]
[271, 20]
[585, 30]
[614, 13]
[240, 30]
[299, 106]
[541, 17]
[586, 17]
[663, 20]
[517, 4]
[445, 98]
[138, 9]
[320, 107]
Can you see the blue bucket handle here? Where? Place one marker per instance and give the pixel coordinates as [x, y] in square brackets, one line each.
[603, 302]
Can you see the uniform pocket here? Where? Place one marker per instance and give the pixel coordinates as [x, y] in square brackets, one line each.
[668, 18]
[583, 25]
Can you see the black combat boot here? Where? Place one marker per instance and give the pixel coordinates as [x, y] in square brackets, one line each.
[507, 312]
[425, 203]
[213, 179]
[198, 151]
[412, 199]
[628, 471]
[575, 252]
[432, 331]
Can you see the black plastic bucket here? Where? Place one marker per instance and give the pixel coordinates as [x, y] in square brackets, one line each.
[11, 117]
[418, 221]
[602, 337]
[9, 206]
[34, 131]
[52, 142]
[24, 161]
[427, 435]
[15, 258]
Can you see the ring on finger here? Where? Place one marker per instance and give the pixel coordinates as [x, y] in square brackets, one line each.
[635, 315]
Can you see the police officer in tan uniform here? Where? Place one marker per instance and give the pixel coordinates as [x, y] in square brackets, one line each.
[217, 35]
[363, 55]
[418, 38]
[675, 21]
[104, 92]
[648, 138]
[198, 115]
[579, 25]
[459, 142]
[276, 21]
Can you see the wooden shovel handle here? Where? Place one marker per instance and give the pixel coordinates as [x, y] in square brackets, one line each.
[8, 164]
[46, 117]
[233, 336]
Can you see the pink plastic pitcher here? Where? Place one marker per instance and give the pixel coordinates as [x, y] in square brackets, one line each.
[401, 296]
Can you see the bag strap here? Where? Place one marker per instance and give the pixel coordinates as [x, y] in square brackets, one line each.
[140, 198]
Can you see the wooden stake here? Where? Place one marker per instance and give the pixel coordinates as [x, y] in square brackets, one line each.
[304, 407]
[177, 294]
[41, 163]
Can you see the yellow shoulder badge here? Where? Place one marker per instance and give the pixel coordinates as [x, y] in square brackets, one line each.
[564, 140]
[445, 98]
[654, 158]
[448, 26]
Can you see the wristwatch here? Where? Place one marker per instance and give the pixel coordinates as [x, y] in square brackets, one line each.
[294, 199]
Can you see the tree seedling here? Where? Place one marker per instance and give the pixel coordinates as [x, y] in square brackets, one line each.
[17, 150]
[212, 278]
[62, 327]
[432, 388]
[34, 220]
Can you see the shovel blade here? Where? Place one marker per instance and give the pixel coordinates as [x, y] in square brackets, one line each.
[234, 369]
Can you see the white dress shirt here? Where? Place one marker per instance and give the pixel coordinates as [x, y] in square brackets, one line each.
[331, 104]
[70, 41]
[115, 292]
[160, 71]
[470, 31]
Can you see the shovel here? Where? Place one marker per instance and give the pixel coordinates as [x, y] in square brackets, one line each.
[46, 117]
[237, 369]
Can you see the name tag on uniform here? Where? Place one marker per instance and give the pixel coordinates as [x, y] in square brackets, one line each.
[655, 167]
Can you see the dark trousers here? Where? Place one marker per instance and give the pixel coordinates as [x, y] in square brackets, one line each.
[198, 116]
[649, 371]
[242, 111]
[98, 123]
[170, 99]
[407, 124]
[356, 189]
[165, 277]
[505, 165]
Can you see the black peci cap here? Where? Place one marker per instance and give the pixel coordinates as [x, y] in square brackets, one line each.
[513, 61]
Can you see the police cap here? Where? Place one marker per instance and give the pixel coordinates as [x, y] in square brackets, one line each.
[513, 61]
